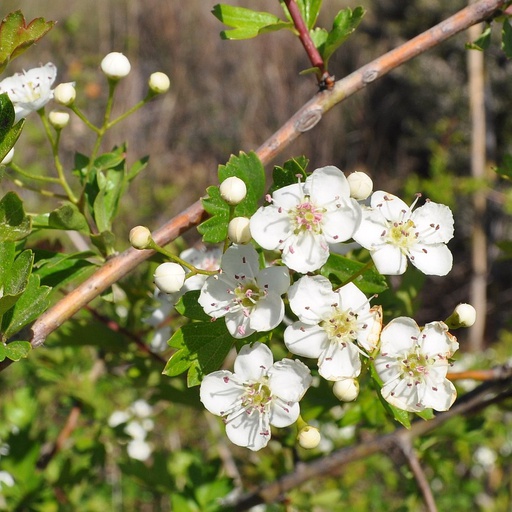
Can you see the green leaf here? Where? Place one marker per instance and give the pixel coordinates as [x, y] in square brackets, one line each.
[15, 276]
[427, 414]
[3, 352]
[483, 41]
[345, 22]
[17, 350]
[248, 168]
[6, 115]
[15, 224]
[105, 242]
[33, 302]
[10, 138]
[339, 269]
[202, 348]
[309, 10]
[247, 23]
[68, 217]
[16, 36]
[505, 169]
[189, 306]
[137, 167]
[506, 38]
[289, 172]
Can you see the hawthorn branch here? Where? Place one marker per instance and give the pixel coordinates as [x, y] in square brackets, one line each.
[302, 121]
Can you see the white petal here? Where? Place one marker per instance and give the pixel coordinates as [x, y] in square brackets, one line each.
[276, 279]
[249, 430]
[341, 223]
[306, 340]
[402, 395]
[326, 185]
[339, 362]
[311, 298]
[270, 226]
[284, 414]
[388, 368]
[399, 336]
[305, 252]
[370, 232]
[267, 313]
[439, 395]
[351, 297]
[220, 392]
[289, 380]
[436, 219]
[288, 197]
[241, 260]
[390, 206]
[389, 260]
[436, 340]
[253, 362]
[217, 294]
[432, 260]
[239, 324]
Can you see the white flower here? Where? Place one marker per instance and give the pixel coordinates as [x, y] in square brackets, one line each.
[413, 364]
[6, 479]
[464, 315]
[115, 65]
[258, 394]
[118, 418]
[65, 93]
[139, 449]
[305, 217]
[239, 230]
[346, 390]
[309, 437]
[203, 259]
[140, 237]
[159, 82]
[248, 298]
[30, 90]
[393, 232]
[169, 277]
[141, 408]
[233, 190]
[331, 326]
[58, 120]
[361, 185]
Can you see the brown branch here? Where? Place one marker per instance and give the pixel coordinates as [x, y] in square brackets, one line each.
[331, 465]
[304, 119]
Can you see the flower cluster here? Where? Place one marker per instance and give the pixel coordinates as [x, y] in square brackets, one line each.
[336, 327]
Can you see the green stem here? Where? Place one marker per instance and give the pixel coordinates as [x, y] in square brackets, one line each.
[355, 275]
[84, 119]
[43, 191]
[25, 174]
[127, 113]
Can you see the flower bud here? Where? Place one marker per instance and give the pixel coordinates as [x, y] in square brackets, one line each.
[309, 437]
[464, 315]
[239, 231]
[169, 277]
[8, 158]
[140, 237]
[159, 82]
[115, 65]
[58, 120]
[233, 190]
[361, 185]
[65, 93]
[346, 390]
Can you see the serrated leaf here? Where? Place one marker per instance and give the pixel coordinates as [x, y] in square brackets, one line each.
[339, 269]
[248, 168]
[68, 217]
[202, 348]
[506, 38]
[289, 172]
[16, 36]
[189, 306]
[15, 224]
[345, 23]
[483, 41]
[247, 23]
[17, 350]
[32, 303]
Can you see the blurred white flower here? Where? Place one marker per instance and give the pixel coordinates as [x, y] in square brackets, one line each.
[118, 418]
[6, 479]
[141, 408]
[139, 449]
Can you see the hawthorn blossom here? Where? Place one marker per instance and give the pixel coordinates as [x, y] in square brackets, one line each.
[248, 298]
[393, 233]
[333, 326]
[258, 394]
[203, 259]
[30, 90]
[413, 364]
[304, 218]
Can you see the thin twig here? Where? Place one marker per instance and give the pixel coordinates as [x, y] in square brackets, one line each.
[305, 119]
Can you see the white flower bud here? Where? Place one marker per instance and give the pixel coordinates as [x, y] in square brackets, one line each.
[169, 277]
[464, 315]
[233, 190]
[361, 185]
[65, 93]
[309, 437]
[8, 158]
[115, 65]
[346, 390]
[239, 231]
[159, 82]
[140, 236]
[58, 120]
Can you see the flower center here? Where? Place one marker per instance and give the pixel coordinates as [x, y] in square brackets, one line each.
[341, 326]
[32, 91]
[307, 217]
[248, 294]
[257, 396]
[415, 367]
[403, 234]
